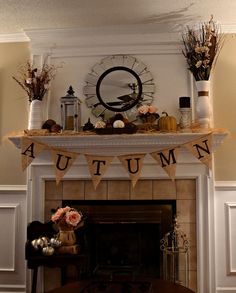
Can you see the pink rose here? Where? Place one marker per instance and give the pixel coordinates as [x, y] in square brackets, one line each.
[152, 109]
[143, 109]
[73, 218]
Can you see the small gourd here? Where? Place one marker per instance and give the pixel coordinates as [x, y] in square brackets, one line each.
[48, 250]
[167, 123]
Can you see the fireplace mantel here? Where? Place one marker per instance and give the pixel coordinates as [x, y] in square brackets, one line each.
[41, 170]
[112, 144]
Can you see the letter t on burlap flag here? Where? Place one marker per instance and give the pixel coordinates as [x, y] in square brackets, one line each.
[97, 166]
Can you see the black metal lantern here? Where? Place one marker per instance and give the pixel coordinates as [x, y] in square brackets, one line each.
[70, 111]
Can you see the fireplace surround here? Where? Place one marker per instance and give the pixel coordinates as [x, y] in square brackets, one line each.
[44, 194]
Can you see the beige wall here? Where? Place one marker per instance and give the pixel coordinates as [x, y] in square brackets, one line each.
[224, 104]
[13, 111]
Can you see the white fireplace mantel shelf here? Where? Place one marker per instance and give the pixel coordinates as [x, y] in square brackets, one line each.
[119, 143]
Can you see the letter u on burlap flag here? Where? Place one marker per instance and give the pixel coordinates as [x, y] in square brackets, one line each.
[62, 160]
[202, 149]
[167, 159]
[97, 166]
[133, 164]
[29, 150]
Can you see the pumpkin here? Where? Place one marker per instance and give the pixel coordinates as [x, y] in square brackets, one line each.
[167, 123]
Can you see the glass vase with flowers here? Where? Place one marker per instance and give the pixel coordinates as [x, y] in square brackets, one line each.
[148, 115]
[67, 219]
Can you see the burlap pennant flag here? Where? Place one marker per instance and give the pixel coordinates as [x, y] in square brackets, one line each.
[29, 150]
[97, 166]
[62, 160]
[167, 159]
[133, 165]
[202, 149]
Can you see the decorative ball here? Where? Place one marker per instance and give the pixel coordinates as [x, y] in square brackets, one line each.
[48, 124]
[100, 124]
[118, 124]
[48, 250]
[55, 128]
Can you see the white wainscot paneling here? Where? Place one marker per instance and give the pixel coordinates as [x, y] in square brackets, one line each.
[225, 231]
[13, 237]
[8, 214]
[230, 213]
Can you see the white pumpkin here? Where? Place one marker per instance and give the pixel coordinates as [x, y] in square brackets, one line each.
[34, 244]
[118, 124]
[48, 250]
[100, 124]
[40, 242]
[55, 242]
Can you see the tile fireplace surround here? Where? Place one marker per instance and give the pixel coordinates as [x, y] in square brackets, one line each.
[192, 189]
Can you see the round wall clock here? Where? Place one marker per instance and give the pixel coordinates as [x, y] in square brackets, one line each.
[119, 83]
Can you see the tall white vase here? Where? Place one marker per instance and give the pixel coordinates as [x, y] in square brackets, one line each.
[35, 115]
[203, 104]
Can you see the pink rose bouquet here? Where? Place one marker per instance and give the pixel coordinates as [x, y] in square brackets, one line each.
[148, 113]
[67, 218]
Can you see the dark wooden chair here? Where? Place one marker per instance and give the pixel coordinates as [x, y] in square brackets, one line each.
[35, 259]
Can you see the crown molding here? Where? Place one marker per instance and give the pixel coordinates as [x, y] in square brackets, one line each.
[102, 37]
[91, 42]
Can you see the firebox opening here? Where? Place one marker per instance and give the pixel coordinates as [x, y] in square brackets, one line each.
[123, 237]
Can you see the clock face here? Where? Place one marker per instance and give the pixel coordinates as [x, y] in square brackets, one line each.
[118, 83]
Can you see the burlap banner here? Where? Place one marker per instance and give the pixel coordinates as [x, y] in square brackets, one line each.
[167, 159]
[29, 150]
[202, 149]
[133, 165]
[63, 160]
[97, 167]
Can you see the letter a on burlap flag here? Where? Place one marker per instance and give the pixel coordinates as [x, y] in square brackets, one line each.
[97, 166]
[167, 159]
[133, 165]
[29, 150]
[202, 149]
[62, 160]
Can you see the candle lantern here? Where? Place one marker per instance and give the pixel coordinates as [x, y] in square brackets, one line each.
[70, 111]
[175, 249]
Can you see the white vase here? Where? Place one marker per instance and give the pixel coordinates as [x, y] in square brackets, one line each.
[203, 104]
[35, 115]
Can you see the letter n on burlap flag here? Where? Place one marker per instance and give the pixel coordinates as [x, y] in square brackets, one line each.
[133, 164]
[167, 159]
[97, 166]
[202, 149]
[29, 150]
[62, 160]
